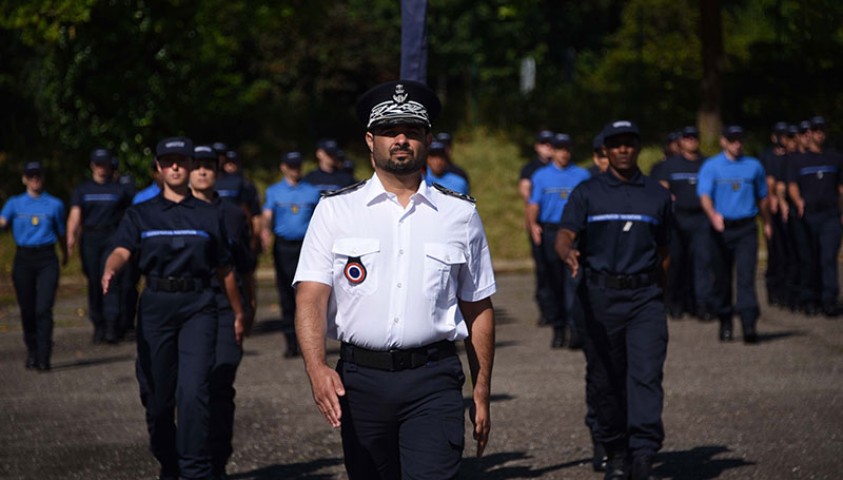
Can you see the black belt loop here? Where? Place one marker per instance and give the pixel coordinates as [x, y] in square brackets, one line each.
[397, 359]
[622, 282]
[177, 284]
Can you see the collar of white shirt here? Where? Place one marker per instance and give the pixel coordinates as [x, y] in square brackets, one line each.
[376, 193]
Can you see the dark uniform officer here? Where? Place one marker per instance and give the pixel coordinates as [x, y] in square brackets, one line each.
[773, 160]
[544, 151]
[180, 242]
[228, 352]
[328, 175]
[37, 221]
[551, 187]
[794, 232]
[287, 211]
[814, 183]
[598, 156]
[96, 207]
[733, 189]
[398, 271]
[689, 282]
[621, 220]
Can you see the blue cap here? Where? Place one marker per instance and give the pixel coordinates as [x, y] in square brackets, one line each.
[101, 156]
[436, 147]
[544, 136]
[732, 132]
[691, 131]
[444, 137]
[204, 152]
[293, 159]
[231, 156]
[561, 140]
[401, 102]
[804, 126]
[597, 143]
[792, 130]
[329, 145]
[780, 128]
[174, 146]
[220, 147]
[817, 123]
[620, 127]
[673, 136]
[32, 167]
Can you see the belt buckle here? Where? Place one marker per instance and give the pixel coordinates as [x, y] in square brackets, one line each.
[627, 282]
[400, 360]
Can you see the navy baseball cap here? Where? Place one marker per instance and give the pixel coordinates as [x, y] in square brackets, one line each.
[792, 130]
[673, 136]
[174, 146]
[691, 131]
[804, 126]
[292, 159]
[101, 156]
[401, 102]
[597, 143]
[780, 128]
[329, 145]
[32, 168]
[620, 127]
[561, 140]
[437, 147]
[733, 132]
[818, 123]
[231, 156]
[544, 136]
[444, 137]
[204, 152]
[220, 147]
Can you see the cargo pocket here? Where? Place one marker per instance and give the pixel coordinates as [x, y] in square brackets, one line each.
[454, 431]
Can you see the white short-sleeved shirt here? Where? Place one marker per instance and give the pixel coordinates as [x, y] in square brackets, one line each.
[418, 261]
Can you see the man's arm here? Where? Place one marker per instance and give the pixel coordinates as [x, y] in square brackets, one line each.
[773, 198]
[535, 230]
[714, 217]
[311, 326]
[796, 196]
[480, 350]
[115, 262]
[781, 194]
[565, 249]
[266, 228]
[764, 208]
[664, 253]
[74, 222]
[525, 186]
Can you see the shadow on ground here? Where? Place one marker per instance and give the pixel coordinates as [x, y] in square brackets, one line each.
[489, 467]
[696, 464]
[298, 471]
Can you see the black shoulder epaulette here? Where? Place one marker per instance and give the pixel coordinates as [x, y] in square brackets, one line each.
[340, 191]
[448, 191]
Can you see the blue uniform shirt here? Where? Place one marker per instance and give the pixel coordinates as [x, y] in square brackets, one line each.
[620, 225]
[818, 176]
[735, 186]
[35, 221]
[449, 180]
[292, 207]
[168, 239]
[147, 193]
[102, 204]
[324, 181]
[552, 187]
[682, 175]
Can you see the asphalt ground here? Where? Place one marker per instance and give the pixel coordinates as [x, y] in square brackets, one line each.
[732, 411]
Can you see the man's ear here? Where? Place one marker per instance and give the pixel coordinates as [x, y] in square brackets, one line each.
[370, 141]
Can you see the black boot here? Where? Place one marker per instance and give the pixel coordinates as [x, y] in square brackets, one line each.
[725, 329]
[558, 337]
[642, 468]
[599, 459]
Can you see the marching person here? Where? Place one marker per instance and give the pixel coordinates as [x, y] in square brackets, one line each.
[37, 222]
[438, 172]
[621, 220]
[178, 243]
[398, 271]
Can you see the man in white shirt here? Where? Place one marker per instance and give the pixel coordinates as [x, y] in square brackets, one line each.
[398, 271]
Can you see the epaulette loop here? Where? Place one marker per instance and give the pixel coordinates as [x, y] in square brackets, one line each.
[449, 192]
[350, 188]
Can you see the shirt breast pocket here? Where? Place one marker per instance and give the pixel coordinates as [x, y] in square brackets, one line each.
[441, 267]
[356, 265]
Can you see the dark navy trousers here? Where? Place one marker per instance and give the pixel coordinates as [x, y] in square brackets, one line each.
[544, 294]
[405, 425]
[103, 310]
[628, 331]
[177, 336]
[35, 274]
[562, 288]
[286, 257]
[798, 272]
[690, 279]
[227, 358]
[778, 249]
[737, 248]
[824, 232]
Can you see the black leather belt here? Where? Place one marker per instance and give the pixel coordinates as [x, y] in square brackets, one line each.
[177, 284]
[40, 248]
[396, 360]
[622, 282]
[99, 228]
[738, 223]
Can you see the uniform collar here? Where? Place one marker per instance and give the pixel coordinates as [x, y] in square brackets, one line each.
[189, 201]
[376, 193]
[637, 179]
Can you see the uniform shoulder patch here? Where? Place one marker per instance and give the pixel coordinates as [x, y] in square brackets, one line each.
[449, 192]
[350, 188]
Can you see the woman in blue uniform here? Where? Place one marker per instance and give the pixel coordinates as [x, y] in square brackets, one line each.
[179, 243]
[37, 220]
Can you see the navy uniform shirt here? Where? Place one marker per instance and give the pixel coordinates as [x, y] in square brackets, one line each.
[775, 166]
[102, 204]
[327, 182]
[619, 224]
[35, 221]
[530, 168]
[682, 175]
[235, 188]
[818, 176]
[239, 240]
[168, 239]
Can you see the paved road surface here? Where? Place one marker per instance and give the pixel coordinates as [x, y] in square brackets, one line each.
[771, 411]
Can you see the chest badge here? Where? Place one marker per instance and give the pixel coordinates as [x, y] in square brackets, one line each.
[35, 221]
[627, 226]
[736, 186]
[820, 175]
[355, 271]
[563, 194]
[294, 209]
[692, 180]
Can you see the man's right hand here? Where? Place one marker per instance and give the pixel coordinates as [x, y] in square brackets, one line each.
[536, 233]
[718, 223]
[327, 388]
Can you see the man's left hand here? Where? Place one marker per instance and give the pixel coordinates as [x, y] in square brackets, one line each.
[479, 413]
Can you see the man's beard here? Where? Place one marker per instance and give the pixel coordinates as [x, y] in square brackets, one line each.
[413, 165]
